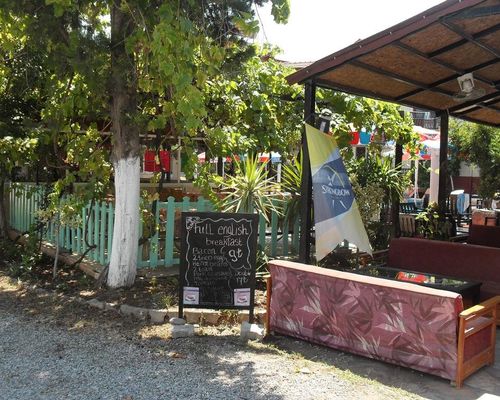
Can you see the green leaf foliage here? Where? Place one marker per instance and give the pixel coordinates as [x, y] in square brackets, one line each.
[351, 112]
[56, 87]
[291, 182]
[379, 171]
[253, 109]
[280, 10]
[479, 145]
[249, 190]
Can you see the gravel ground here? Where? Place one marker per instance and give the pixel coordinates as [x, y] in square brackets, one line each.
[51, 348]
[45, 362]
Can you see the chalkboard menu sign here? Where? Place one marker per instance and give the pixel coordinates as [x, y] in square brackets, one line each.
[218, 252]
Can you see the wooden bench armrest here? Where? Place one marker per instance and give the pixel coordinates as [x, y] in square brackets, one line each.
[473, 321]
[480, 309]
[378, 255]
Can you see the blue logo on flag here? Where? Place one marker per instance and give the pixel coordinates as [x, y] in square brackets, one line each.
[333, 189]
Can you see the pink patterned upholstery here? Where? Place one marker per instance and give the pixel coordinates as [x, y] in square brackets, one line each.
[397, 322]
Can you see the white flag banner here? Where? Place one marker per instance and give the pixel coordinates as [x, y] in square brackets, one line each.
[336, 213]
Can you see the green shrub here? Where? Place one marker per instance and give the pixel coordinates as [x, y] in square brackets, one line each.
[432, 225]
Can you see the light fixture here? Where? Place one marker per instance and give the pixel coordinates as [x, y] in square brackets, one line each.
[324, 120]
[466, 83]
[468, 90]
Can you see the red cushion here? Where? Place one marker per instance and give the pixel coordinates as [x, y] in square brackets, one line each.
[467, 261]
[409, 277]
[484, 235]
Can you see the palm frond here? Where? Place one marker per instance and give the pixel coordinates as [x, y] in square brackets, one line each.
[250, 189]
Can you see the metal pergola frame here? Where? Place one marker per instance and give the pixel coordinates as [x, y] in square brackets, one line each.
[415, 63]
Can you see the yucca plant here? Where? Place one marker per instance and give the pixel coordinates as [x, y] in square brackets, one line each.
[249, 190]
[379, 171]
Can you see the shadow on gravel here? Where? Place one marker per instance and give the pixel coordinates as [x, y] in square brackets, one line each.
[201, 365]
[484, 382]
[222, 359]
[51, 307]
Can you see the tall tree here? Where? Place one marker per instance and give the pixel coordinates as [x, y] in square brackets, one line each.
[52, 60]
[149, 60]
[126, 148]
[162, 53]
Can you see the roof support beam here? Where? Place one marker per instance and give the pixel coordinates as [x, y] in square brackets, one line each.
[401, 78]
[349, 89]
[470, 38]
[398, 159]
[475, 107]
[476, 13]
[453, 77]
[459, 72]
[482, 100]
[422, 86]
[428, 57]
[461, 42]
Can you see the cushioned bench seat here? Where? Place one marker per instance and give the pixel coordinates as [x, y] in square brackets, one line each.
[398, 322]
[461, 260]
[484, 235]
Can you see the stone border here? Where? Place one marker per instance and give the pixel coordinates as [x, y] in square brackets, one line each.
[155, 316]
[160, 316]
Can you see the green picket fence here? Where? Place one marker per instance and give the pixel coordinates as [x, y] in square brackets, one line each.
[159, 233]
[92, 237]
[23, 202]
[162, 233]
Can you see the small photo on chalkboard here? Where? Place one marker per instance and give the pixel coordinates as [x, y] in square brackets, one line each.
[191, 295]
[218, 253]
[242, 297]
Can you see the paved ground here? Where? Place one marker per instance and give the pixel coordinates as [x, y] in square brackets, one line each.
[54, 349]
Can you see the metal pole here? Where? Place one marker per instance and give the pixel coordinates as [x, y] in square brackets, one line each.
[306, 184]
[471, 189]
[398, 159]
[415, 186]
[443, 162]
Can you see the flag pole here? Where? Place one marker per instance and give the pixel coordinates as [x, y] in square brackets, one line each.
[306, 183]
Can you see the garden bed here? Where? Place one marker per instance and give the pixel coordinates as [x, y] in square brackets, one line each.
[148, 291]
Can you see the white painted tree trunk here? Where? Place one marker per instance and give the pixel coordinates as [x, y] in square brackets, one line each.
[126, 149]
[123, 262]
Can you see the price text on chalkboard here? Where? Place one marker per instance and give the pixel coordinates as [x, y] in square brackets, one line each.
[218, 254]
